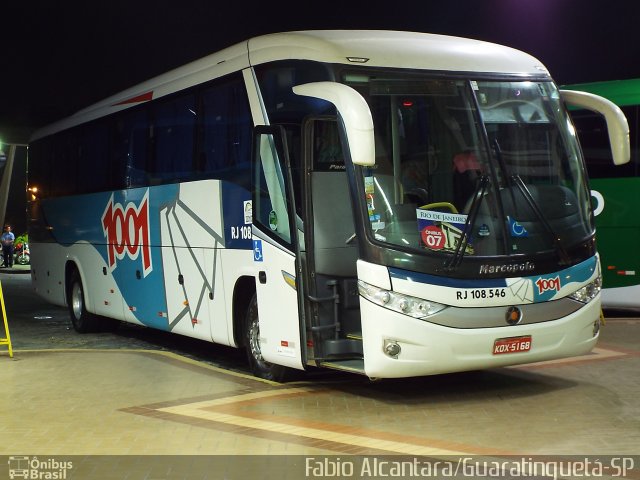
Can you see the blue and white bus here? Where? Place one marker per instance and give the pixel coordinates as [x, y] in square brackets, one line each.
[389, 203]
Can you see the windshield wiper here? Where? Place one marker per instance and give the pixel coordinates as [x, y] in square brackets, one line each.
[519, 183]
[478, 195]
[557, 241]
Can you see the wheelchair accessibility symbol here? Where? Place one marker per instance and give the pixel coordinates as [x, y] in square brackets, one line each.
[257, 251]
[517, 230]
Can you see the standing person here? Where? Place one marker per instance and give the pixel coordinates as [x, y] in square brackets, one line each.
[7, 240]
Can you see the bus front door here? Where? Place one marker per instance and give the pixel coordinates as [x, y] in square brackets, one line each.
[275, 252]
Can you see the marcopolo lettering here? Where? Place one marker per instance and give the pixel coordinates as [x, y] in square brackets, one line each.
[126, 230]
[510, 268]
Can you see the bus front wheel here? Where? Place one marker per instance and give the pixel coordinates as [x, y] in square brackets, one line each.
[259, 366]
[82, 320]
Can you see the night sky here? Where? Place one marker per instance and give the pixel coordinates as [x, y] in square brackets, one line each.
[59, 56]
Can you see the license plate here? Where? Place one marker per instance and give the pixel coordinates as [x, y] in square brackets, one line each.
[512, 345]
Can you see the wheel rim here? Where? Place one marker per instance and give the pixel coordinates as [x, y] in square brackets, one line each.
[77, 301]
[254, 343]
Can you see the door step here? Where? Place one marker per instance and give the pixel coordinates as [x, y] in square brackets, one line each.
[351, 365]
[354, 336]
[342, 347]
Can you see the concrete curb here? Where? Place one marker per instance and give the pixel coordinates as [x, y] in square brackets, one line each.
[19, 269]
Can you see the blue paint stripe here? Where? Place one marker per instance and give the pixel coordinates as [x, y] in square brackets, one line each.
[578, 273]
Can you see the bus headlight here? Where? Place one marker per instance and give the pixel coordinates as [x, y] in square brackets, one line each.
[589, 291]
[405, 304]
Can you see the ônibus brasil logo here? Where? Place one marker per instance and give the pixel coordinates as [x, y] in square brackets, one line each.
[126, 230]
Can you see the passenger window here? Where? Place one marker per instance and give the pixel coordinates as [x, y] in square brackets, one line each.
[271, 190]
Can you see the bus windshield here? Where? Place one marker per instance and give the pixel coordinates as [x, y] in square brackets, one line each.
[473, 168]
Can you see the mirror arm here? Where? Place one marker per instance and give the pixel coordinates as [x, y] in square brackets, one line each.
[355, 114]
[617, 125]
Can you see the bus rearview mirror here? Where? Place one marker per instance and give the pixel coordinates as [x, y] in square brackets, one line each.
[617, 126]
[355, 114]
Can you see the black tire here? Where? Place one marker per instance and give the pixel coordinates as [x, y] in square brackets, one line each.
[82, 320]
[259, 366]
[23, 259]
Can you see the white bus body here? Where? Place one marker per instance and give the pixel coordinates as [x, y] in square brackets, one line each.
[389, 203]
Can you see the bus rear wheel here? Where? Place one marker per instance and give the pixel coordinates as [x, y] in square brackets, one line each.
[82, 320]
[259, 366]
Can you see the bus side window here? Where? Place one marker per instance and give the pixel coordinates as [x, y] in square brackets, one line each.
[225, 144]
[128, 155]
[93, 165]
[63, 174]
[327, 150]
[271, 193]
[173, 136]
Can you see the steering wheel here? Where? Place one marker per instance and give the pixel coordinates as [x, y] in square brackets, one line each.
[448, 205]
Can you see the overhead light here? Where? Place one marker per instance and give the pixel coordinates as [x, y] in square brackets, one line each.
[358, 59]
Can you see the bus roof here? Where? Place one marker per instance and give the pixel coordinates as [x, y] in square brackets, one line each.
[620, 92]
[394, 49]
[375, 48]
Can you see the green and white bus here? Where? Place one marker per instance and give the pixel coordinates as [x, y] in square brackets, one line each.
[615, 192]
[388, 203]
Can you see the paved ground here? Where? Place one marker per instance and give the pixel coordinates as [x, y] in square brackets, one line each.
[137, 392]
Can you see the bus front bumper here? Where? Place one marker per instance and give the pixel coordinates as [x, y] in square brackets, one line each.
[396, 345]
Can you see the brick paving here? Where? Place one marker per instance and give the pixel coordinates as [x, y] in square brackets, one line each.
[139, 392]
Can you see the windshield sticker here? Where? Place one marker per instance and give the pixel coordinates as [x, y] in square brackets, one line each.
[442, 231]
[516, 229]
[273, 220]
[434, 216]
[368, 185]
[257, 251]
[433, 237]
[484, 231]
[248, 212]
[374, 218]
[371, 207]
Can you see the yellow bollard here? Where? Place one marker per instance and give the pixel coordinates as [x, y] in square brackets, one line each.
[7, 340]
